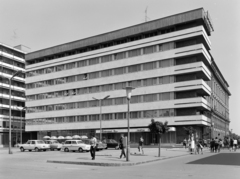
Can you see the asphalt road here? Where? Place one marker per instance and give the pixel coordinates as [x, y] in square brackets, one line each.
[32, 165]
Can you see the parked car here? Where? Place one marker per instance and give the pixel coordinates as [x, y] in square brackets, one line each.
[100, 145]
[111, 143]
[75, 145]
[37, 145]
[54, 144]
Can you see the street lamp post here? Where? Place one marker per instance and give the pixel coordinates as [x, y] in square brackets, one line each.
[24, 108]
[128, 93]
[10, 110]
[100, 104]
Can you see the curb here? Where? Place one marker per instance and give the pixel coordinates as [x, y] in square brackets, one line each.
[112, 164]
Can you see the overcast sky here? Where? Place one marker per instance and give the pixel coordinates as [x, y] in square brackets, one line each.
[40, 24]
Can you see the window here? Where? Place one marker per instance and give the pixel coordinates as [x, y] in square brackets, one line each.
[120, 116]
[106, 73]
[134, 53]
[119, 56]
[166, 46]
[93, 75]
[150, 66]
[93, 61]
[136, 99]
[106, 58]
[148, 50]
[150, 114]
[166, 63]
[119, 101]
[119, 85]
[82, 63]
[150, 82]
[150, 98]
[107, 87]
[120, 71]
[59, 67]
[49, 69]
[134, 68]
[70, 65]
[107, 102]
[70, 79]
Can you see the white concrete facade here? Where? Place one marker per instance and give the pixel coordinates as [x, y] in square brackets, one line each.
[199, 68]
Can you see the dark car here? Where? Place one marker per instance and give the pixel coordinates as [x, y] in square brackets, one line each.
[111, 143]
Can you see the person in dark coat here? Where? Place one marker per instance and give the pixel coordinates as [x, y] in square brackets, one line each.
[121, 147]
[231, 145]
[212, 145]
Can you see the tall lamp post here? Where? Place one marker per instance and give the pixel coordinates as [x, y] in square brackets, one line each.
[100, 104]
[10, 110]
[129, 94]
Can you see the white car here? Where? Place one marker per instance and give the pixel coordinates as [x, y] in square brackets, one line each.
[75, 145]
[37, 145]
[54, 144]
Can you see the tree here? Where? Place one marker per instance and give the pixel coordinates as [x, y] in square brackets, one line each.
[159, 128]
[190, 131]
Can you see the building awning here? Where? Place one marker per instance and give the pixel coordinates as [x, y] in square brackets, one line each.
[171, 129]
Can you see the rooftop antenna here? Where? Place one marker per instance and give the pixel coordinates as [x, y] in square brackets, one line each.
[146, 17]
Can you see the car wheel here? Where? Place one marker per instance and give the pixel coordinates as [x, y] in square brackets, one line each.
[44, 150]
[36, 149]
[66, 150]
[80, 150]
[59, 149]
[30, 150]
[106, 148]
[22, 149]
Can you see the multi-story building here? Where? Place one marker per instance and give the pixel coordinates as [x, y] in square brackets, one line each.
[167, 61]
[12, 59]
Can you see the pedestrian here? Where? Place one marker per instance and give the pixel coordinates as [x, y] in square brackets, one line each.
[231, 145]
[140, 145]
[121, 146]
[235, 144]
[212, 145]
[185, 143]
[216, 144]
[93, 143]
[192, 146]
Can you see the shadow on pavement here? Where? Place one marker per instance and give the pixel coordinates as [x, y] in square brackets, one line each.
[220, 159]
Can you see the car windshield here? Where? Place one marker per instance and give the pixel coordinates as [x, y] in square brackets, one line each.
[47, 142]
[80, 142]
[86, 141]
[40, 142]
[113, 141]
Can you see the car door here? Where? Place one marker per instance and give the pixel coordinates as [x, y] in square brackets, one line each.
[67, 144]
[74, 145]
[27, 145]
[32, 145]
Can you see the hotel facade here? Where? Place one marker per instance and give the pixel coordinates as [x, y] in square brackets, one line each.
[12, 59]
[167, 61]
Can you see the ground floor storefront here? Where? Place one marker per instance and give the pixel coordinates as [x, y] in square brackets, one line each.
[176, 134]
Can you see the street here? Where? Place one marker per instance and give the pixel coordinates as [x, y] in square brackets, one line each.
[33, 165]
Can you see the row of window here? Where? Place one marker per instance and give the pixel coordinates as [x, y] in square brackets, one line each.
[102, 74]
[11, 52]
[109, 116]
[116, 42]
[106, 102]
[103, 59]
[11, 72]
[104, 88]
[12, 62]
[13, 83]
[112, 57]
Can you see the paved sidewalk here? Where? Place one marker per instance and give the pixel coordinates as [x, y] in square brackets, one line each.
[111, 157]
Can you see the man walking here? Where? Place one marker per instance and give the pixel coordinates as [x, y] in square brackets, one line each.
[93, 147]
[140, 145]
[121, 146]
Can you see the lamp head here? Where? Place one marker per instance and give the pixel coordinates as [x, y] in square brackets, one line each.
[129, 91]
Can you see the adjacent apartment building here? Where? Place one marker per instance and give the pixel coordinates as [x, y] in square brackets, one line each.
[12, 59]
[167, 61]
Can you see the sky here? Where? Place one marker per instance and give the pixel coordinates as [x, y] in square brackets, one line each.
[44, 23]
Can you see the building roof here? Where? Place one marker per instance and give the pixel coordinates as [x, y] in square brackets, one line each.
[122, 33]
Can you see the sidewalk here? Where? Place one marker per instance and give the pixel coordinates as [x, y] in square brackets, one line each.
[111, 157]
